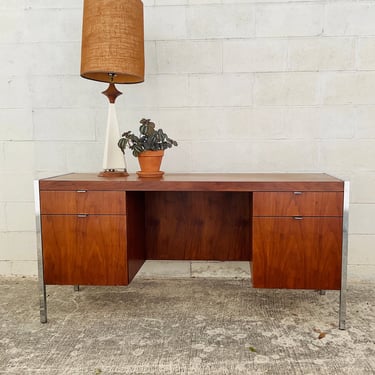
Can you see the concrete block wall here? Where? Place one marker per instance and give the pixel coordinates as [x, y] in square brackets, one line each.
[243, 85]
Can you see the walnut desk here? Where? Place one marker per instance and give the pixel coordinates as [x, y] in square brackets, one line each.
[292, 228]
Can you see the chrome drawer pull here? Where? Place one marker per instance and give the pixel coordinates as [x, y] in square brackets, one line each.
[82, 215]
[297, 217]
[297, 192]
[81, 191]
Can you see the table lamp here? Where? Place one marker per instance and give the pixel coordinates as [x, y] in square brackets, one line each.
[113, 51]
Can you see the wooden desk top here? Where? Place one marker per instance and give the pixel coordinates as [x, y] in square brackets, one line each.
[197, 182]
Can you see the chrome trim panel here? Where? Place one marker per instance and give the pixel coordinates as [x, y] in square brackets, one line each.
[41, 285]
[344, 254]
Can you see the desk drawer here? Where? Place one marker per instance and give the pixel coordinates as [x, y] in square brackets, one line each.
[82, 202]
[84, 250]
[297, 254]
[297, 203]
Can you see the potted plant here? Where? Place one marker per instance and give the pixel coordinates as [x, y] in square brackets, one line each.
[149, 147]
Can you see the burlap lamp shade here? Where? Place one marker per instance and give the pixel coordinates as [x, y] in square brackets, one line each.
[113, 41]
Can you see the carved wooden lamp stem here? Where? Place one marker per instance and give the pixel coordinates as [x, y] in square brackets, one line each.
[112, 93]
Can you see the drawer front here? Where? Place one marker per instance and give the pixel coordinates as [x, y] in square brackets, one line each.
[297, 203]
[297, 254]
[82, 202]
[84, 250]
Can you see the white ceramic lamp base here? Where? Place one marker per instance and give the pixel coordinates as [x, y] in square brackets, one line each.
[114, 163]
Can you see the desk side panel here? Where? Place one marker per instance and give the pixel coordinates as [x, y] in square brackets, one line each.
[136, 252]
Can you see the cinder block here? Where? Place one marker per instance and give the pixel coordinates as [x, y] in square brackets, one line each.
[24, 267]
[221, 21]
[77, 92]
[14, 92]
[302, 122]
[48, 58]
[66, 91]
[18, 246]
[229, 123]
[218, 156]
[349, 88]
[176, 122]
[18, 156]
[158, 91]
[337, 122]
[11, 5]
[164, 23]
[151, 66]
[321, 54]
[84, 156]
[366, 56]
[361, 273]
[50, 156]
[17, 186]
[132, 164]
[13, 57]
[54, 4]
[268, 123]
[221, 90]
[285, 156]
[205, 2]
[359, 218]
[177, 159]
[361, 249]
[346, 155]
[254, 55]
[298, 88]
[2, 156]
[189, 56]
[63, 25]
[16, 124]
[350, 18]
[340, 88]
[171, 2]
[12, 25]
[57, 124]
[237, 123]
[20, 216]
[362, 187]
[289, 19]
[5, 267]
[3, 227]
[46, 91]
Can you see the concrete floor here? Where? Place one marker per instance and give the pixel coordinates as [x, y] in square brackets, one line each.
[184, 326]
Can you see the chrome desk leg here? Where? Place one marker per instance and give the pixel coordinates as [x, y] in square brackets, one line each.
[344, 265]
[41, 285]
[76, 288]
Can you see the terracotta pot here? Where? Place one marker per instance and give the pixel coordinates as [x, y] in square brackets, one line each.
[150, 162]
